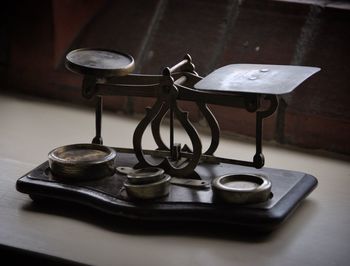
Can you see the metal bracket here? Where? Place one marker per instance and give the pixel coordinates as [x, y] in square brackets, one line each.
[240, 85]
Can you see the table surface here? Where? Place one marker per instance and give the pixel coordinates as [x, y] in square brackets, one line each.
[317, 233]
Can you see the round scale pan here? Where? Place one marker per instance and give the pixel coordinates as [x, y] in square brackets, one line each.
[99, 62]
[242, 188]
[82, 161]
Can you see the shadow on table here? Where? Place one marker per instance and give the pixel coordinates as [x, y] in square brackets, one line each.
[17, 256]
[122, 225]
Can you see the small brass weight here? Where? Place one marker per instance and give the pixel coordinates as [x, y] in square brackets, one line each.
[175, 180]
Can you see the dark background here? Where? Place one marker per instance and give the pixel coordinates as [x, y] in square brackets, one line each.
[36, 35]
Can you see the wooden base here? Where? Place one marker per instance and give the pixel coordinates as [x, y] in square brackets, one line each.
[182, 204]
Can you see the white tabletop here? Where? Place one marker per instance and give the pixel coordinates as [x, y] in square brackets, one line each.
[318, 232]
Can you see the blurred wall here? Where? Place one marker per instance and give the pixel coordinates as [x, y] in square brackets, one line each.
[36, 35]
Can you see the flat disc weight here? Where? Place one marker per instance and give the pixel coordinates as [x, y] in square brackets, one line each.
[82, 162]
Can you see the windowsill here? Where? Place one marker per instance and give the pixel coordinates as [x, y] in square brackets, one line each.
[316, 234]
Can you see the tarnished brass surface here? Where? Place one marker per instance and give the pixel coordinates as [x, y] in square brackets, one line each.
[242, 188]
[148, 191]
[125, 170]
[82, 161]
[99, 62]
[145, 175]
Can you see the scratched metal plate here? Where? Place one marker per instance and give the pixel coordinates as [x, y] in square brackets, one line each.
[251, 78]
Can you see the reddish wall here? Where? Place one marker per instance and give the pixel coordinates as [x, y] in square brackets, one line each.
[69, 18]
[159, 33]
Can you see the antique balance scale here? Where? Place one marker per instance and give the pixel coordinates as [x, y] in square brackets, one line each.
[175, 182]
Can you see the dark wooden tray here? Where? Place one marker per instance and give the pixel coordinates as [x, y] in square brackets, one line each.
[182, 204]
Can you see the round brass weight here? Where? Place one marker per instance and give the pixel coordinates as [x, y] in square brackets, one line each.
[242, 188]
[147, 183]
[145, 175]
[151, 190]
[82, 161]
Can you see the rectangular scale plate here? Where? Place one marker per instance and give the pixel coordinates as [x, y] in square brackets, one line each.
[183, 203]
[252, 78]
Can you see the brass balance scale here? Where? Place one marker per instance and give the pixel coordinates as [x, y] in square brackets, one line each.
[175, 182]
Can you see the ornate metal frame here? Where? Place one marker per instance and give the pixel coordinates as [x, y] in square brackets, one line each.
[177, 83]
